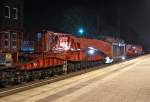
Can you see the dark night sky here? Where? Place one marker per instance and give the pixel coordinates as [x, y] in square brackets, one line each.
[134, 15]
[48, 11]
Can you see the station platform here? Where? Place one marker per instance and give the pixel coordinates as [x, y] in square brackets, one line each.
[127, 81]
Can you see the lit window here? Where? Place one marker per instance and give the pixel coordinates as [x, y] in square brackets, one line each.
[15, 13]
[7, 11]
[39, 35]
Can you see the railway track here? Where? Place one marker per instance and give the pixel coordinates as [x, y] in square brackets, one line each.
[22, 87]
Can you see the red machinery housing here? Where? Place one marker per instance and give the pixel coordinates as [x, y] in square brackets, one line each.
[55, 48]
[133, 50]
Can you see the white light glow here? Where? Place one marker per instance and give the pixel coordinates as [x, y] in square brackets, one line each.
[81, 31]
[63, 44]
[91, 52]
[123, 58]
[108, 60]
[91, 48]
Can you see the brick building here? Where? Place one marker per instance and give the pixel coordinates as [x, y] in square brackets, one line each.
[11, 26]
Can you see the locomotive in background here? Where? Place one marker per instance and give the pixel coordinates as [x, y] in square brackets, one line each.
[59, 53]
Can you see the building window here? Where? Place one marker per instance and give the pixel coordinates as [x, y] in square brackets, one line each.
[6, 44]
[6, 39]
[15, 13]
[39, 35]
[6, 35]
[7, 11]
[14, 36]
[14, 44]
